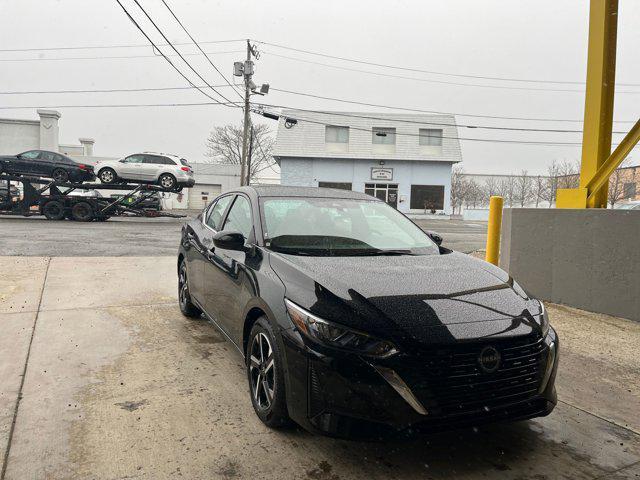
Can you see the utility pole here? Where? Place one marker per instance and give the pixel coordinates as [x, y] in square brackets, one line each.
[250, 154]
[248, 72]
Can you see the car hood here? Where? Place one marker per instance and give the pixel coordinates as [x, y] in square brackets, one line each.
[426, 298]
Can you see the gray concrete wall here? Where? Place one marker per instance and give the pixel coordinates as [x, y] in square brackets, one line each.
[588, 259]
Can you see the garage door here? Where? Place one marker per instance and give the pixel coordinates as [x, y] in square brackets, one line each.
[201, 194]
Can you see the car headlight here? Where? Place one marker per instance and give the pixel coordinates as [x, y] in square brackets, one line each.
[544, 320]
[337, 336]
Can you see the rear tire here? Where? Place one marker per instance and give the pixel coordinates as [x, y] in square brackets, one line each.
[187, 308]
[53, 210]
[60, 175]
[167, 181]
[266, 376]
[107, 175]
[82, 212]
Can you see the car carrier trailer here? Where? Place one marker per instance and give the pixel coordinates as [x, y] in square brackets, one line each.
[60, 203]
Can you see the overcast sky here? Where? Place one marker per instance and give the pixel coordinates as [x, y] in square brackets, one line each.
[540, 40]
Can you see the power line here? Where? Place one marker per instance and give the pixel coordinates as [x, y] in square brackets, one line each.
[425, 80]
[163, 55]
[416, 110]
[121, 105]
[432, 72]
[413, 110]
[486, 140]
[200, 48]
[95, 47]
[416, 122]
[111, 57]
[176, 50]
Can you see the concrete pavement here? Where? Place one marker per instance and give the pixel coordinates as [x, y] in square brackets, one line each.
[120, 385]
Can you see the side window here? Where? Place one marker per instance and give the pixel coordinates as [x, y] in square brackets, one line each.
[239, 217]
[152, 159]
[167, 161]
[215, 213]
[48, 157]
[133, 159]
[62, 159]
[32, 154]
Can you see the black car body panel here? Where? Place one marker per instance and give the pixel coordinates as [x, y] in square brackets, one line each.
[442, 311]
[44, 164]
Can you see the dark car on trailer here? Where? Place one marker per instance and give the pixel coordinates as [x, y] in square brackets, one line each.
[43, 163]
[351, 319]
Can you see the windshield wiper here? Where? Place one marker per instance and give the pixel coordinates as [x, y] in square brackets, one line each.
[381, 251]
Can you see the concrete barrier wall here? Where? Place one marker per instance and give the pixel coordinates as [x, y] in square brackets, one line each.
[588, 259]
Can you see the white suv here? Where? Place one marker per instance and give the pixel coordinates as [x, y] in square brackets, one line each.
[169, 171]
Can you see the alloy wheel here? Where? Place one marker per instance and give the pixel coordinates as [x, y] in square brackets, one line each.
[183, 286]
[106, 176]
[262, 371]
[167, 181]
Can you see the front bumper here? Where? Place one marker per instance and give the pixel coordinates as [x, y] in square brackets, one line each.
[347, 396]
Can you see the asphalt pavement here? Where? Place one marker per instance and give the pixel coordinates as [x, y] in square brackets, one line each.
[133, 236]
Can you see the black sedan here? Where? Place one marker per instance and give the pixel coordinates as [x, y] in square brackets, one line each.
[42, 163]
[351, 319]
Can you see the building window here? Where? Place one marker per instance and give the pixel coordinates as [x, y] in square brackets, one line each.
[383, 136]
[383, 140]
[336, 139]
[629, 190]
[431, 137]
[427, 197]
[338, 185]
[387, 192]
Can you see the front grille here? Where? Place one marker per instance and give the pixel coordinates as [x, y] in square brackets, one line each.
[449, 380]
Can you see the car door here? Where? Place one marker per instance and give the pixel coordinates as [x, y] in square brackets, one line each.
[225, 272]
[210, 223]
[152, 167]
[24, 162]
[45, 164]
[131, 167]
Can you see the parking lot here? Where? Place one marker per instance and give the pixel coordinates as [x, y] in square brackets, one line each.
[102, 377]
[133, 236]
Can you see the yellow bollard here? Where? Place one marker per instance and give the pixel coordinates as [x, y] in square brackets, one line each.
[493, 230]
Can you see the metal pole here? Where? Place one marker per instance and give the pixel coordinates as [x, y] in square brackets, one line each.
[598, 106]
[250, 154]
[247, 120]
[493, 230]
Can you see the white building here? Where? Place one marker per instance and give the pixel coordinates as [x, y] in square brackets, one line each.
[404, 160]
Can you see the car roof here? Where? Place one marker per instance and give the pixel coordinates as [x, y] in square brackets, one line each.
[159, 153]
[314, 192]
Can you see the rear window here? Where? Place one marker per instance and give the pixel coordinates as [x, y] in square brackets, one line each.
[184, 162]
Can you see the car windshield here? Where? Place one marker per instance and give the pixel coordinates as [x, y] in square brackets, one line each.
[347, 227]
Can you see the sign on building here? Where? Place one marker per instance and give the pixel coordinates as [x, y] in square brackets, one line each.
[381, 173]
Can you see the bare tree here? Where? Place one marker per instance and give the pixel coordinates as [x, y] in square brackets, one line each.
[224, 145]
[491, 187]
[539, 189]
[475, 194]
[459, 188]
[523, 188]
[616, 184]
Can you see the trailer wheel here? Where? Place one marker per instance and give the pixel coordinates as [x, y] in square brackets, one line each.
[60, 175]
[53, 210]
[82, 212]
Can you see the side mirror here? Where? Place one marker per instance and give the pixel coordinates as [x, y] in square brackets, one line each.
[229, 240]
[436, 237]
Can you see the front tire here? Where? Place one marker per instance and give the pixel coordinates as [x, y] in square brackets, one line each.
[107, 175]
[167, 181]
[266, 376]
[187, 307]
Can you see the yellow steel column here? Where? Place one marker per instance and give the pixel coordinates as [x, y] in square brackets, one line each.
[493, 230]
[598, 106]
